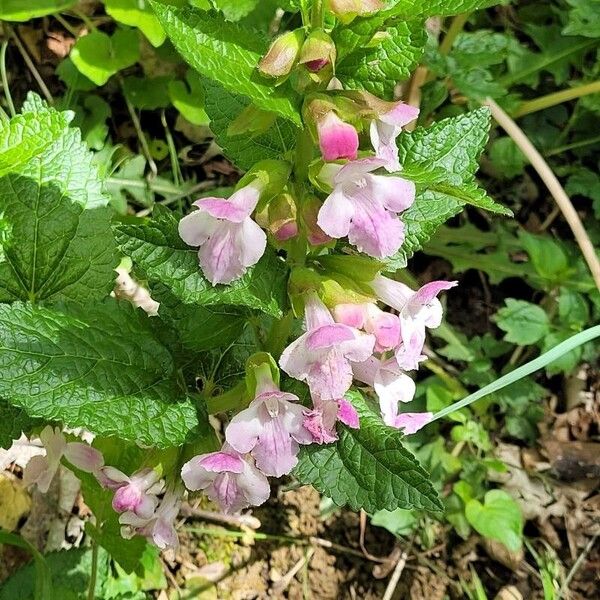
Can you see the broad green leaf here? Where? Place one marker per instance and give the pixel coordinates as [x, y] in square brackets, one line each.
[28, 135]
[54, 249]
[137, 13]
[234, 10]
[498, 518]
[99, 56]
[368, 468]
[506, 157]
[584, 18]
[18, 10]
[157, 250]
[379, 68]
[227, 53]
[439, 8]
[357, 34]
[72, 77]
[14, 422]
[244, 150]
[548, 256]
[572, 308]
[398, 522]
[523, 322]
[586, 183]
[189, 99]
[95, 366]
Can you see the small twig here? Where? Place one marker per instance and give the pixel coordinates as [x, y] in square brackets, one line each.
[66, 25]
[361, 539]
[456, 27]
[565, 586]
[29, 63]
[234, 520]
[553, 185]
[5, 86]
[280, 585]
[549, 219]
[395, 578]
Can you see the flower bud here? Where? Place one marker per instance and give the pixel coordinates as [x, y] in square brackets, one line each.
[271, 175]
[318, 51]
[282, 55]
[309, 213]
[347, 10]
[282, 217]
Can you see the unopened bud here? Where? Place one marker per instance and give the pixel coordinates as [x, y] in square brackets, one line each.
[347, 10]
[318, 51]
[282, 217]
[282, 55]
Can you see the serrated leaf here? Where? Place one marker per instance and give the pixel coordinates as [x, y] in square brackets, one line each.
[157, 250]
[227, 53]
[66, 163]
[95, 366]
[234, 10]
[17, 10]
[244, 150]
[189, 99]
[523, 322]
[368, 468]
[378, 69]
[584, 18]
[99, 56]
[28, 135]
[439, 8]
[498, 518]
[14, 422]
[54, 249]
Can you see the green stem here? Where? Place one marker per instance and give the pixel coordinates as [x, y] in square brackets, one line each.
[94, 574]
[557, 98]
[531, 367]
[9, 100]
[317, 14]
[456, 27]
[573, 146]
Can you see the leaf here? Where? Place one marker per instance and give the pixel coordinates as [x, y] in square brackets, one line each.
[147, 93]
[228, 54]
[244, 150]
[14, 422]
[548, 256]
[26, 136]
[440, 8]
[507, 158]
[398, 522]
[523, 322]
[378, 69]
[368, 468]
[498, 518]
[17, 10]
[157, 250]
[94, 366]
[586, 183]
[99, 56]
[136, 13]
[234, 10]
[189, 99]
[70, 75]
[584, 18]
[67, 163]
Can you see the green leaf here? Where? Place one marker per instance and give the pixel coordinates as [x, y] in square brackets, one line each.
[17, 10]
[234, 10]
[70, 75]
[94, 366]
[99, 56]
[398, 522]
[572, 308]
[228, 54]
[441, 8]
[523, 322]
[586, 183]
[378, 69]
[147, 93]
[244, 150]
[189, 99]
[368, 468]
[14, 422]
[498, 518]
[548, 256]
[28, 135]
[584, 18]
[137, 13]
[508, 160]
[55, 249]
[157, 250]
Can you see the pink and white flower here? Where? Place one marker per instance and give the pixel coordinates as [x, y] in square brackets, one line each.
[337, 139]
[321, 357]
[228, 478]
[364, 206]
[413, 422]
[368, 316]
[321, 420]
[270, 429]
[417, 310]
[137, 494]
[159, 528]
[230, 241]
[386, 128]
[40, 470]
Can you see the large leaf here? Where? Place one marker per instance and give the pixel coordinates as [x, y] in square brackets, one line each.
[98, 367]
[378, 69]
[14, 422]
[368, 468]
[410, 9]
[227, 53]
[159, 252]
[17, 10]
[244, 150]
[53, 248]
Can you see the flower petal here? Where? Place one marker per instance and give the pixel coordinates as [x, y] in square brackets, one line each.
[395, 193]
[84, 457]
[328, 336]
[400, 115]
[252, 243]
[360, 348]
[196, 228]
[220, 256]
[412, 422]
[316, 314]
[347, 414]
[353, 315]
[244, 429]
[336, 214]
[337, 139]
[390, 292]
[235, 209]
[254, 485]
[276, 454]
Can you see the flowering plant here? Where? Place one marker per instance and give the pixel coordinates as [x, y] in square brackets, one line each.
[283, 307]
